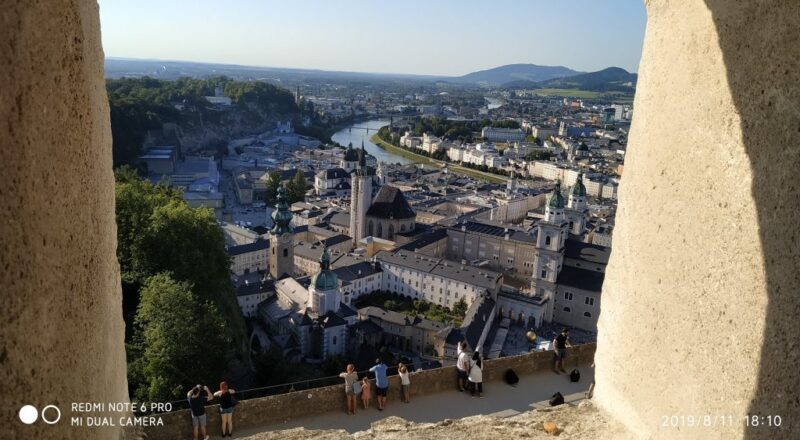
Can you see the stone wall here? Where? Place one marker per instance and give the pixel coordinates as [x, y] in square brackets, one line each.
[273, 410]
[700, 300]
[62, 333]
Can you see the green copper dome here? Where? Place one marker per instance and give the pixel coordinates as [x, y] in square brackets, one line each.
[281, 216]
[579, 189]
[325, 279]
[556, 199]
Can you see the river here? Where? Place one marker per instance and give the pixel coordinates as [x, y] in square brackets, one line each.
[364, 130]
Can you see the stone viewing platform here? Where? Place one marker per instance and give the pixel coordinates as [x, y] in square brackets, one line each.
[434, 400]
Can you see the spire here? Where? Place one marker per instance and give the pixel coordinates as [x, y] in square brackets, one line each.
[579, 189]
[325, 258]
[281, 216]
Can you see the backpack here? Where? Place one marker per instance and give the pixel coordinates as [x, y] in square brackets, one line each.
[574, 375]
[357, 387]
[511, 377]
[557, 399]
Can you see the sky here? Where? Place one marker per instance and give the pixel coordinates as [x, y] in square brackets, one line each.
[433, 37]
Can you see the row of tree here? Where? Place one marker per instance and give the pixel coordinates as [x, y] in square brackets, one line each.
[183, 323]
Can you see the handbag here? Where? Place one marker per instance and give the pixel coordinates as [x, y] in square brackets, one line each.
[357, 387]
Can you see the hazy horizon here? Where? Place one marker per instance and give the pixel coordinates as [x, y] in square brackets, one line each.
[447, 38]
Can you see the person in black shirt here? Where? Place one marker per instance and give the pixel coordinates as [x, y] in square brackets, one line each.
[226, 402]
[560, 343]
[198, 397]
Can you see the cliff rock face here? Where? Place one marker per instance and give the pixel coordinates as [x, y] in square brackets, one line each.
[583, 421]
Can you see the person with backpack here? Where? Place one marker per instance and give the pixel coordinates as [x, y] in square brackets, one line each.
[350, 382]
[198, 397]
[226, 403]
[475, 375]
[560, 343]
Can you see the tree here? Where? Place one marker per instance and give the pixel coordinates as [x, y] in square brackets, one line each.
[460, 308]
[180, 340]
[296, 188]
[273, 183]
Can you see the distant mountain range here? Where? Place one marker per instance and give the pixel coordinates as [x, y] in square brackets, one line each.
[612, 79]
[532, 76]
[514, 72]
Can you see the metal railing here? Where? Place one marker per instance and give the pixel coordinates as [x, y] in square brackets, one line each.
[301, 385]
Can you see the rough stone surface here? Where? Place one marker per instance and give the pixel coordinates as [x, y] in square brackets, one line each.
[61, 338]
[700, 302]
[583, 421]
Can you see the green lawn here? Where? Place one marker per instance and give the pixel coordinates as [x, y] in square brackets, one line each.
[395, 303]
[456, 169]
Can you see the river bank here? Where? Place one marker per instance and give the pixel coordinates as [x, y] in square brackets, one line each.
[455, 169]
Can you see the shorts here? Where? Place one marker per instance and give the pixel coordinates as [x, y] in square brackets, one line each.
[561, 353]
[461, 374]
[199, 421]
[404, 388]
[349, 391]
[382, 391]
[226, 410]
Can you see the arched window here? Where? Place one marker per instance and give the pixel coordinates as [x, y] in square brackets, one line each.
[567, 309]
[380, 230]
[285, 252]
[369, 228]
[403, 228]
[334, 340]
[571, 225]
[587, 314]
[547, 240]
[391, 232]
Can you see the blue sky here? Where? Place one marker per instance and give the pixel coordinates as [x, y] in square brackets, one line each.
[440, 37]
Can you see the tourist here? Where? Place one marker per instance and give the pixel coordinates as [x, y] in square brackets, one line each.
[476, 375]
[350, 382]
[198, 397]
[462, 365]
[405, 382]
[226, 403]
[560, 343]
[381, 382]
[366, 394]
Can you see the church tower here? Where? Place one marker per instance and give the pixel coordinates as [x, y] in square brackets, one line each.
[361, 198]
[577, 209]
[281, 239]
[380, 175]
[550, 241]
[323, 292]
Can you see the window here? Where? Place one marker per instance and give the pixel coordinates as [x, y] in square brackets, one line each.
[571, 225]
[568, 296]
[369, 228]
[334, 340]
[380, 230]
[544, 274]
[567, 309]
[547, 241]
[285, 252]
[589, 301]
[391, 232]
[587, 314]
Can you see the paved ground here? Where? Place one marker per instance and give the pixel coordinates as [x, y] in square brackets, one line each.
[499, 399]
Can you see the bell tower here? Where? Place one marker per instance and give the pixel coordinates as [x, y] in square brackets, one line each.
[281, 239]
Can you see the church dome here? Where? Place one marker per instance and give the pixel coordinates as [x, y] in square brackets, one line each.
[325, 279]
[579, 189]
[556, 199]
[350, 154]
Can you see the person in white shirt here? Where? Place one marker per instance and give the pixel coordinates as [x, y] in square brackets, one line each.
[462, 366]
[476, 375]
[405, 382]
